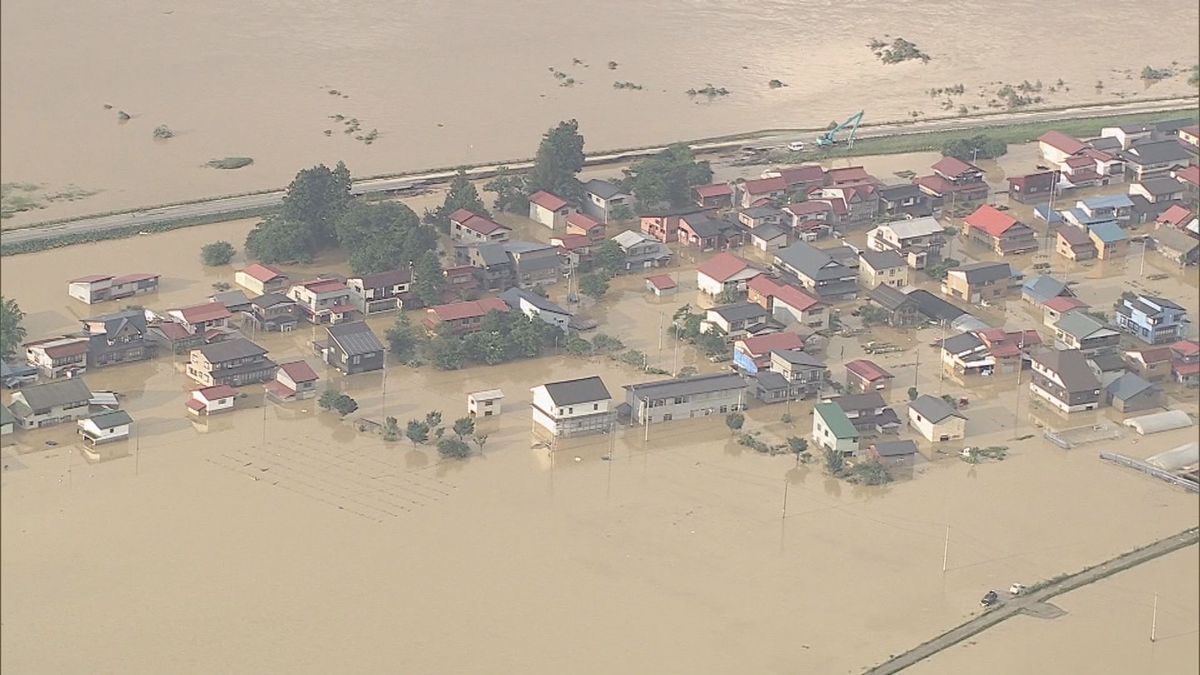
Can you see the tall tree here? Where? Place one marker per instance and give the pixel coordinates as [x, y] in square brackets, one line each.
[609, 257]
[510, 190]
[276, 240]
[559, 158]
[403, 338]
[315, 198]
[383, 236]
[427, 278]
[668, 176]
[461, 195]
[12, 333]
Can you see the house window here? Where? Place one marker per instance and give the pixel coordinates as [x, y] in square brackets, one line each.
[355, 360]
[595, 406]
[666, 417]
[724, 408]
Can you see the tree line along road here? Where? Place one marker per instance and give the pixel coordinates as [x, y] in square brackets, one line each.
[212, 209]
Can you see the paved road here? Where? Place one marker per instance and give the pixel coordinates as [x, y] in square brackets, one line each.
[1034, 602]
[213, 208]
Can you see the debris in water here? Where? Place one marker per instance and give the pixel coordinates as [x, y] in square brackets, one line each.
[107, 106]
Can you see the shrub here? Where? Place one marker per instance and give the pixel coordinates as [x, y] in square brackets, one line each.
[217, 253]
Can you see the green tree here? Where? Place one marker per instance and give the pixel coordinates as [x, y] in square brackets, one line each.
[316, 198]
[975, 148]
[729, 296]
[464, 426]
[798, 446]
[276, 240]
[834, 461]
[579, 346]
[391, 429]
[622, 213]
[417, 432]
[872, 473]
[668, 176]
[511, 193]
[328, 399]
[402, 338]
[594, 285]
[608, 257]
[480, 441]
[344, 405]
[734, 421]
[433, 418]
[913, 393]
[427, 279]
[461, 195]
[448, 352]
[453, 448]
[559, 158]
[383, 236]
[12, 333]
[217, 253]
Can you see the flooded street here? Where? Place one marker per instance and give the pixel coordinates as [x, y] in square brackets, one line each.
[450, 83]
[280, 539]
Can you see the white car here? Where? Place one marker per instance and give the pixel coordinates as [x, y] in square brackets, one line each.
[1016, 589]
[795, 146]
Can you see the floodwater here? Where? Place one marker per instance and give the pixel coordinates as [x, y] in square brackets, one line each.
[452, 83]
[277, 539]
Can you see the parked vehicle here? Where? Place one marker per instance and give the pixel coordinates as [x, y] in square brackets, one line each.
[795, 146]
[1016, 589]
[989, 599]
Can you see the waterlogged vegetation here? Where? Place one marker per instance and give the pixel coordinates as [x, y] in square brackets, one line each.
[230, 162]
[21, 197]
[898, 51]
[708, 91]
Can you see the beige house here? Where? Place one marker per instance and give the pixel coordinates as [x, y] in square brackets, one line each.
[936, 420]
[882, 268]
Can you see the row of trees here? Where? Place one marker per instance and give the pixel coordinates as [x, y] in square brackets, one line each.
[12, 333]
[423, 430]
[502, 337]
[685, 325]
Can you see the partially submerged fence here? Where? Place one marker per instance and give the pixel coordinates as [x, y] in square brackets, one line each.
[1154, 471]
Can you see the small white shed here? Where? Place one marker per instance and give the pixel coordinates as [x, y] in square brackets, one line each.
[105, 427]
[484, 403]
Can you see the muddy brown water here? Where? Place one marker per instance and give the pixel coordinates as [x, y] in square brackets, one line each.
[281, 539]
[470, 82]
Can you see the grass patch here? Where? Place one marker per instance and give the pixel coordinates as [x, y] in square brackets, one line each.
[17, 198]
[230, 162]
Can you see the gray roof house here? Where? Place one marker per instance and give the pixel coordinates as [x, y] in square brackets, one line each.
[818, 271]
[533, 305]
[572, 407]
[869, 413]
[933, 409]
[352, 348]
[1131, 393]
[1063, 378]
[1043, 287]
[739, 319]
[602, 197]
[684, 398]
[1076, 330]
[43, 405]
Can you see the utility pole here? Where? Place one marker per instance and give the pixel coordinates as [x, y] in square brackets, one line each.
[785, 491]
[946, 550]
[917, 368]
[137, 449]
[1154, 620]
[1017, 396]
[1142, 267]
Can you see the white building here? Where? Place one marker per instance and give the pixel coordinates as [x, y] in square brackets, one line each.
[934, 419]
[572, 407]
[724, 271]
[105, 427]
[484, 403]
[535, 306]
[211, 400]
[833, 430]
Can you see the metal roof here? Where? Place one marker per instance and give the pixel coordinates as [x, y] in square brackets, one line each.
[686, 386]
[933, 409]
[111, 420]
[51, 394]
[740, 311]
[514, 296]
[227, 350]
[354, 338]
[1127, 386]
[582, 390]
[835, 418]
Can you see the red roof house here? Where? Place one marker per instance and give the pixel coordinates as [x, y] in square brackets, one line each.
[468, 226]
[581, 223]
[1057, 146]
[864, 375]
[714, 196]
[661, 284]
[1177, 216]
[462, 317]
[724, 271]
[758, 348]
[999, 231]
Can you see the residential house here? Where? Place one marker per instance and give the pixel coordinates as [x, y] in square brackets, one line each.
[767, 238]
[936, 420]
[1162, 190]
[324, 301]
[458, 318]
[809, 220]
[737, 320]
[1043, 287]
[1189, 176]
[1190, 136]
[120, 337]
[274, 312]
[1185, 362]
[806, 374]
[1032, 188]
[663, 225]
[1152, 364]
[759, 216]
[966, 354]
[818, 272]
[175, 337]
[760, 191]
[918, 240]
[211, 400]
[661, 284]
[63, 356]
[533, 264]
[549, 209]
[885, 268]
[704, 232]
[851, 204]
[235, 301]
[787, 303]
[902, 309]
[1152, 319]
[642, 252]
[484, 403]
[583, 224]
[380, 292]
[1177, 217]
[725, 272]
[1155, 158]
[494, 264]
[1009, 349]
[1180, 248]
[44, 405]
[797, 180]
[1129, 135]
[96, 288]
[753, 354]
[864, 375]
[538, 307]
[1107, 366]
[685, 398]
[954, 184]
[1063, 379]
[603, 198]
[714, 196]
[8, 422]
[573, 250]
[14, 375]
[294, 381]
[351, 348]
[1130, 393]
[202, 318]
[237, 362]
[261, 279]
[905, 200]
[1110, 240]
[1000, 232]
[1055, 309]
[832, 430]
[979, 283]
[1074, 243]
[1115, 208]
[869, 413]
[896, 455]
[472, 228]
[1078, 330]
[1056, 146]
[106, 427]
[573, 407]
[935, 308]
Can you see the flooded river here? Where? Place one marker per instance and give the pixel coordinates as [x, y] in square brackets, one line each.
[449, 83]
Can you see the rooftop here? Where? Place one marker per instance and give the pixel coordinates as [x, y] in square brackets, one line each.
[111, 420]
[934, 409]
[723, 267]
[879, 260]
[867, 370]
[835, 418]
[299, 371]
[1066, 144]
[573, 392]
[228, 350]
[57, 393]
[765, 344]
[602, 188]
[1071, 367]
[686, 386]
[991, 220]
[355, 338]
[547, 200]
[513, 297]
[463, 310]
[262, 273]
[739, 311]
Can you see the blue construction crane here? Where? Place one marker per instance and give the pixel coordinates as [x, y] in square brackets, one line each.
[829, 138]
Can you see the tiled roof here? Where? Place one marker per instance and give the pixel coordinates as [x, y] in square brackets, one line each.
[299, 371]
[991, 220]
[662, 281]
[208, 311]
[219, 391]
[583, 221]
[547, 200]
[765, 344]
[714, 190]
[1067, 144]
[868, 370]
[463, 310]
[263, 273]
[953, 167]
[722, 267]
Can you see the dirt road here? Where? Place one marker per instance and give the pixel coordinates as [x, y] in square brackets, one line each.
[1033, 601]
[244, 205]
